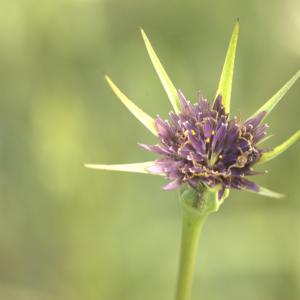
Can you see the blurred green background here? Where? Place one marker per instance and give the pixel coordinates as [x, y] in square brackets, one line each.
[71, 233]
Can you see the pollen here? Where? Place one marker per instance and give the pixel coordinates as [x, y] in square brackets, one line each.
[193, 132]
[220, 156]
[207, 140]
[213, 132]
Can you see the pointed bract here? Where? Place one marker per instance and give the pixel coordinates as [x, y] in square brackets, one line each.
[145, 119]
[279, 149]
[271, 103]
[225, 83]
[163, 76]
[266, 192]
[133, 168]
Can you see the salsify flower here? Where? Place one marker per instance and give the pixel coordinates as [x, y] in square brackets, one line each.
[204, 150]
[201, 145]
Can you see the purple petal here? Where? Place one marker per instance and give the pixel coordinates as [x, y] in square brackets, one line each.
[260, 133]
[198, 145]
[163, 128]
[172, 185]
[242, 183]
[204, 107]
[219, 138]
[232, 134]
[156, 169]
[217, 106]
[208, 127]
[174, 120]
[256, 120]
[198, 157]
[157, 149]
[186, 106]
[243, 144]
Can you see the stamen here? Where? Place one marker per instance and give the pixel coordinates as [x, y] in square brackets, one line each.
[193, 132]
[241, 161]
[207, 140]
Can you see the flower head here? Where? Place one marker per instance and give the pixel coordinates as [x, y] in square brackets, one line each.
[201, 145]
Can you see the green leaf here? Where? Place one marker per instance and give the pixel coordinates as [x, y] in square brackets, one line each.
[145, 119]
[225, 83]
[279, 149]
[271, 103]
[133, 168]
[163, 76]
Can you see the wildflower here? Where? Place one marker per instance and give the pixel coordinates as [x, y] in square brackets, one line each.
[204, 149]
[201, 145]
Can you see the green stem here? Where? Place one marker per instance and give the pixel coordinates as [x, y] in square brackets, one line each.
[191, 228]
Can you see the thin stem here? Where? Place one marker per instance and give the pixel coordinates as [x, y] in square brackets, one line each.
[191, 227]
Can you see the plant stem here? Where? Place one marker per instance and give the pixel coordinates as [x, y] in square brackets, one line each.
[192, 223]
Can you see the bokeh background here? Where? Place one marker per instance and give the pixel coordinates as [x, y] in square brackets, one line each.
[71, 233]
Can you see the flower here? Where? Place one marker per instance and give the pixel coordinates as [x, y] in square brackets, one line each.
[201, 145]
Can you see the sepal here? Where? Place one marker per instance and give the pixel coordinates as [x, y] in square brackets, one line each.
[201, 201]
[162, 74]
[143, 167]
[265, 192]
[272, 102]
[145, 119]
[279, 149]
[225, 83]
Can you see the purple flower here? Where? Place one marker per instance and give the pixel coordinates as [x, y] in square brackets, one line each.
[201, 145]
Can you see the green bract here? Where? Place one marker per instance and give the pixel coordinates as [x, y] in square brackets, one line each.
[279, 149]
[165, 80]
[270, 104]
[225, 83]
[136, 111]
